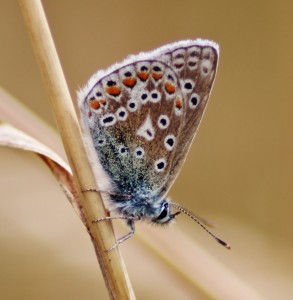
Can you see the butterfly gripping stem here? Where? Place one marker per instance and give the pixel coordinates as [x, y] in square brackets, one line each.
[129, 221]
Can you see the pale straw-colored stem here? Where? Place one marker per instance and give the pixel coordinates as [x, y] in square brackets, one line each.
[101, 233]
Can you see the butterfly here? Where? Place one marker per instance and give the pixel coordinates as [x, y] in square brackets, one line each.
[139, 118]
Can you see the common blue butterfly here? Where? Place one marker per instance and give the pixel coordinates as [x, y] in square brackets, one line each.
[140, 117]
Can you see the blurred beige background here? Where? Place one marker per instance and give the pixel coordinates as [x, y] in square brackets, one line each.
[239, 171]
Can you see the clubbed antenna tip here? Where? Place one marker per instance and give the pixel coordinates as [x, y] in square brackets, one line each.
[193, 217]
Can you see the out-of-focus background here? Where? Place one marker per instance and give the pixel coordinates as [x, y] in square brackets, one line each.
[238, 173]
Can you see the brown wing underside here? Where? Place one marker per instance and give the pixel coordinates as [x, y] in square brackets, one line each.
[151, 107]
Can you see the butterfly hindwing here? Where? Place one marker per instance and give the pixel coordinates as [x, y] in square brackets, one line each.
[134, 116]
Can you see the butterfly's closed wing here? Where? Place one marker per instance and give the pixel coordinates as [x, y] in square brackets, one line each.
[143, 114]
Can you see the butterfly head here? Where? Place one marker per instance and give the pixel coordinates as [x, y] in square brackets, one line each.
[165, 214]
[154, 211]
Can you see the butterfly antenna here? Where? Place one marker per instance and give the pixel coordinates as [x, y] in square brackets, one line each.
[193, 217]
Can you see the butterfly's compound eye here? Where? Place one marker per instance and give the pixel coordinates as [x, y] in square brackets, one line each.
[164, 216]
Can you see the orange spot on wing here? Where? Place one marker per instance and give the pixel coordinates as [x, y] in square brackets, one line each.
[103, 101]
[170, 88]
[94, 104]
[178, 103]
[157, 76]
[143, 76]
[113, 90]
[129, 82]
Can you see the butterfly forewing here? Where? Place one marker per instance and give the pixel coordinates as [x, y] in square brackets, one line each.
[196, 66]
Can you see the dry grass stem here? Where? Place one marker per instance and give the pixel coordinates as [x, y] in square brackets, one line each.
[102, 235]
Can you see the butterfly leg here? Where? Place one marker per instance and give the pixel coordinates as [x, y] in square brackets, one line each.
[130, 218]
[129, 222]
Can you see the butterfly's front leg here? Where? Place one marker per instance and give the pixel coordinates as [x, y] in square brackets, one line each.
[129, 221]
